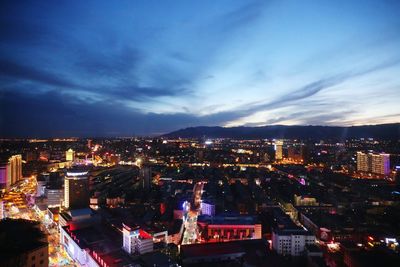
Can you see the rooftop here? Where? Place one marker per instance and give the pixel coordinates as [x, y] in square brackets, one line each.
[227, 220]
[19, 236]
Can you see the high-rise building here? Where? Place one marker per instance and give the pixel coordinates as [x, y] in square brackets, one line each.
[363, 162]
[373, 163]
[10, 171]
[380, 164]
[298, 153]
[76, 190]
[54, 195]
[70, 155]
[145, 177]
[279, 150]
[15, 163]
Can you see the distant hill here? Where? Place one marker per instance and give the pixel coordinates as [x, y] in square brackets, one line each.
[382, 131]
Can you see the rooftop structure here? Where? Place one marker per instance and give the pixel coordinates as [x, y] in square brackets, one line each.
[22, 244]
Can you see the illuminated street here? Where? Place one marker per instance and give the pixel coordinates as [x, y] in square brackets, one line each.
[17, 206]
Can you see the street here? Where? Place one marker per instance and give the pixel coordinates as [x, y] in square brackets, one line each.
[19, 204]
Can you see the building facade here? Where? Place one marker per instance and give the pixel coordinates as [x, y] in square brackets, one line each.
[136, 241]
[11, 172]
[291, 242]
[373, 163]
[380, 164]
[55, 196]
[207, 209]
[279, 150]
[76, 190]
[70, 155]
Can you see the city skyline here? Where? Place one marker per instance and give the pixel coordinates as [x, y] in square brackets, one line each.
[140, 68]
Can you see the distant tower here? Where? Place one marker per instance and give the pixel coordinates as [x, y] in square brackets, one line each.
[76, 190]
[15, 163]
[89, 143]
[145, 177]
[70, 155]
[279, 150]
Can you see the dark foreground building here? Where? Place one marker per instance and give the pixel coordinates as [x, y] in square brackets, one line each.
[22, 244]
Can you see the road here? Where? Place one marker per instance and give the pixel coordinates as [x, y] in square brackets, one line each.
[19, 205]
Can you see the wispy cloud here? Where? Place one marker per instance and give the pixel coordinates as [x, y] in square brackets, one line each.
[154, 68]
[12, 69]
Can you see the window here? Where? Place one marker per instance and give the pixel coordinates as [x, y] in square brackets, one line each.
[33, 257]
[41, 262]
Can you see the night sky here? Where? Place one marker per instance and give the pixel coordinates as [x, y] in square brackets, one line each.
[123, 68]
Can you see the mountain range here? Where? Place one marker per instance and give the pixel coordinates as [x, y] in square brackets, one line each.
[380, 131]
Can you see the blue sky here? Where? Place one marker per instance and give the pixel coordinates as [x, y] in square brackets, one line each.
[104, 68]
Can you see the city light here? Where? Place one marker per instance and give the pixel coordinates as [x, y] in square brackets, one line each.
[214, 133]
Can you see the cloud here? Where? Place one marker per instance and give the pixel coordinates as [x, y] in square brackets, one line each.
[77, 72]
[56, 114]
[19, 71]
[310, 90]
[111, 63]
[97, 68]
[242, 16]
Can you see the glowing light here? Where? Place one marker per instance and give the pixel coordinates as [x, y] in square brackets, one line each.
[186, 206]
[390, 240]
[76, 173]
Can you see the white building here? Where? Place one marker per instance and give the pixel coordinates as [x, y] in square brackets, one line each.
[75, 251]
[55, 196]
[291, 242]
[136, 241]
[207, 209]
